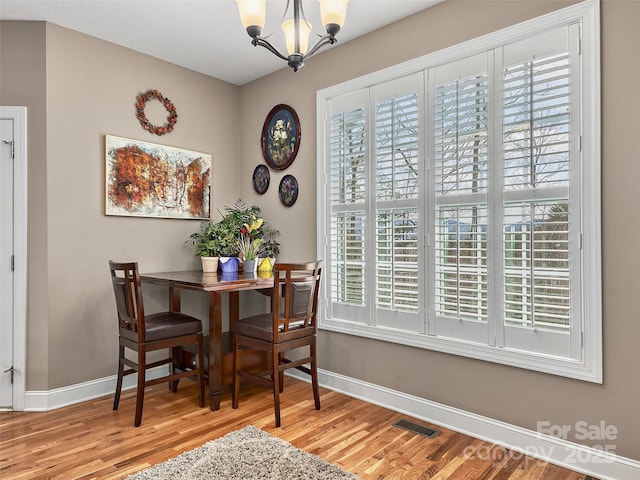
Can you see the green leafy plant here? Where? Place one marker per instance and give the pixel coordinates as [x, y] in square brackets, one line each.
[249, 248]
[228, 239]
[269, 248]
[247, 221]
[238, 222]
[209, 241]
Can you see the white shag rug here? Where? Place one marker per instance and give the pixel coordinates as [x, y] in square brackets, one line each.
[248, 453]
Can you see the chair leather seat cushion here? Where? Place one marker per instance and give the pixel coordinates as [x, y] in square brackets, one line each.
[258, 326]
[170, 324]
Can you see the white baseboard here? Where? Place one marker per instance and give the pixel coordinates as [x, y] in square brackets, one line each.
[597, 463]
[587, 460]
[43, 401]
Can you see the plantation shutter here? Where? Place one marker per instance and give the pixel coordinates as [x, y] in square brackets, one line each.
[460, 116]
[398, 260]
[541, 193]
[348, 223]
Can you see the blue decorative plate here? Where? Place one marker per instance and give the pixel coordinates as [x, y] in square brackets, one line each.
[261, 179]
[288, 190]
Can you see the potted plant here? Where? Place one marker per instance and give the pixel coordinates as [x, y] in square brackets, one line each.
[269, 250]
[249, 249]
[248, 222]
[209, 243]
[222, 239]
[229, 245]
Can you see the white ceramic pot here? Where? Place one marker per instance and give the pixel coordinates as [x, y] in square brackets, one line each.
[209, 264]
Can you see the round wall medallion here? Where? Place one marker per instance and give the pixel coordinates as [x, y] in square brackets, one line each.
[288, 190]
[261, 179]
[280, 137]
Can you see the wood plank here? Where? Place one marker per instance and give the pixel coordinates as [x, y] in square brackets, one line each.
[90, 441]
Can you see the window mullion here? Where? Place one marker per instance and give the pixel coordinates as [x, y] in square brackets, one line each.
[370, 259]
[495, 271]
[430, 202]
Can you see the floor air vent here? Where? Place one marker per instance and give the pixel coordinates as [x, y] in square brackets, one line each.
[415, 428]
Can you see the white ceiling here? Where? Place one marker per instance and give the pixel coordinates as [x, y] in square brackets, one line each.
[203, 35]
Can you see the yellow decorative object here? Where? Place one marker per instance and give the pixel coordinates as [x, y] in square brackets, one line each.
[265, 265]
[265, 274]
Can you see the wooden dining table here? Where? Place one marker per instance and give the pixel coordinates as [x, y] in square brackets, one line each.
[215, 285]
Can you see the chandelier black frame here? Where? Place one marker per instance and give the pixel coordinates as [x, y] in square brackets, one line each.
[296, 59]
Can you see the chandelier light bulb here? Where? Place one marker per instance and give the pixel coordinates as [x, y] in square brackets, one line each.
[333, 14]
[252, 12]
[304, 30]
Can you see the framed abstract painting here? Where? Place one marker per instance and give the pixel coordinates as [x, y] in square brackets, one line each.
[145, 179]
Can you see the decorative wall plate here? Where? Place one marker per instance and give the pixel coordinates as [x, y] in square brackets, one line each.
[261, 179]
[288, 190]
[280, 137]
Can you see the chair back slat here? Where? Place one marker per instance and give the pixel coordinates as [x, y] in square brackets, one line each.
[295, 296]
[127, 288]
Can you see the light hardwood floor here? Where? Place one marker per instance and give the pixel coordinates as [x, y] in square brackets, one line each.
[89, 440]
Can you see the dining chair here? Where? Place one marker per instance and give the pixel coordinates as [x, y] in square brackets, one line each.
[145, 333]
[291, 326]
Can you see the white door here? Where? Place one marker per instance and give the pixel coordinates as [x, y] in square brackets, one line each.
[6, 263]
[13, 257]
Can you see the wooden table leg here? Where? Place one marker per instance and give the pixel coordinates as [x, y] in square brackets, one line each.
[174, 299]
[234, 307]
[215, 349]
[174, 306]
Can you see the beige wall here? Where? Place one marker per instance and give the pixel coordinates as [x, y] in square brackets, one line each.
[90, 91]
[513, 395]
[23, 83]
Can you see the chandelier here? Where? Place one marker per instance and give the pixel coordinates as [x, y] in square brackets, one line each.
[296, 29]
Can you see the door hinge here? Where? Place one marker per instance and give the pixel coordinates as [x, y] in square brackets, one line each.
[13, 147]
[12, 370]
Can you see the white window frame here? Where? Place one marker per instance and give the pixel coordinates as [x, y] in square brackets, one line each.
[588, 365]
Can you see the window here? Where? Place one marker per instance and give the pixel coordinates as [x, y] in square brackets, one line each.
[452, 198]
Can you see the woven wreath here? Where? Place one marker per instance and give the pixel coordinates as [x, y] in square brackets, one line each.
[141, 103]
